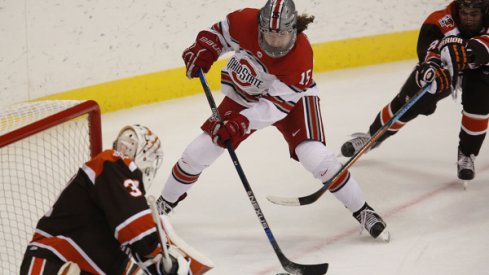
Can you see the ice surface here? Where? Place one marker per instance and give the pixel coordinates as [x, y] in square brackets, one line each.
[436, 226]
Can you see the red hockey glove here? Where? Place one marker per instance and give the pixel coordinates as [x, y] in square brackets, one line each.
[432, 72]
[454, 56]
[202, 54]
[233, 127]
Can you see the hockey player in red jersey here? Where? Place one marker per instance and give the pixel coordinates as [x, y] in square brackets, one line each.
[453, 53]
[101, 218]
[267, 82]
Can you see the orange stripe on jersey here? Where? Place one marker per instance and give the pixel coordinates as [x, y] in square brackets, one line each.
[39, 235]
[484, 40]
[430, 55]
[96, 164]
[443, 19]
[133, 227]
[37, 266]
[386, 115]
[155, 252]
[474, 125]
[71, 253]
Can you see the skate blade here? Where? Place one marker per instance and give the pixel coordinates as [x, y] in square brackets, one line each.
[385, 236]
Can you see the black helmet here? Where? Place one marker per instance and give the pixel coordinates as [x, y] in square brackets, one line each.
[483, 5]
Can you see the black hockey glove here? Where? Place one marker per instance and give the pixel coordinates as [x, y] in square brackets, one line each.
[432, 72]
[454, 56]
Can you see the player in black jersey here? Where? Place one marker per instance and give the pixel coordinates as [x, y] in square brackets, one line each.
[101, 218]
[453, 52]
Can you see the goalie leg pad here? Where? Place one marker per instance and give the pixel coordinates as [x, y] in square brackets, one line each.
[69, 268]
[198, 263]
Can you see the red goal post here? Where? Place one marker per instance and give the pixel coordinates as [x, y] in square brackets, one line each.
[42, 145]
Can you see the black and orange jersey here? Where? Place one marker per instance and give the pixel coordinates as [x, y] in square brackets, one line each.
[100, 217]
[441, 23]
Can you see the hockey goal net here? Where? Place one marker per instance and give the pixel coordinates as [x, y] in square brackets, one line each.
[42, 145]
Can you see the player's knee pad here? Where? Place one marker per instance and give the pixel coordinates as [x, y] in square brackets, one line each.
[318, 159]
[199, 154]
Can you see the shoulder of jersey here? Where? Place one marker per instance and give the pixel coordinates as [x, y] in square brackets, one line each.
[243, 15]
[442, 19]
[95, 165]
[243, 23]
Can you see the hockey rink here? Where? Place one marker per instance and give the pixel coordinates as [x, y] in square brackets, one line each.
[437, 227]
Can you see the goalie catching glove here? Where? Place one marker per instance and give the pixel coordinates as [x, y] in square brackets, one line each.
[432, 72]
[202, 54]
[233, 127]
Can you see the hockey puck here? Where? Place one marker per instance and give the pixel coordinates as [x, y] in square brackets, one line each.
[283, 273]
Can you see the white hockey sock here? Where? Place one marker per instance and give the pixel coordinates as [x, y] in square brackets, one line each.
[198, 155]
[317, 159]
[323, 165]
[350, 195]
[174, 189]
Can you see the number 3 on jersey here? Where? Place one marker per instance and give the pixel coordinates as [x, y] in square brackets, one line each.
[133, 187]
[305, 77]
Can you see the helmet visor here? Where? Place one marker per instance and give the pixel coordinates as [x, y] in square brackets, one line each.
[277, 39]
[277, 44]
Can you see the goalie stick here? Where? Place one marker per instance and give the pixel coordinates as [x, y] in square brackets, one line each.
[316, 195]
[287, 264]
[161, 235]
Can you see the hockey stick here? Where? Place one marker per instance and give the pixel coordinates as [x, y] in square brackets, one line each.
[316, 195]
[161, 234]
[288, 265]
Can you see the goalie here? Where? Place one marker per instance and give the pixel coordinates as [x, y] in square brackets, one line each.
[101, 223]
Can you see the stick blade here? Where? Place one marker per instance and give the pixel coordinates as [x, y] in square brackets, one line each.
[311, 198]
[314, 269]
[284, 201]
[304, 269]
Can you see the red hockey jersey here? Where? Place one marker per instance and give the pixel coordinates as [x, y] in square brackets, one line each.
[270, 86]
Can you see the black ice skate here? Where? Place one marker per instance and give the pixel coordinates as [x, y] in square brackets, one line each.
[352, 146]
[465, 167]
[165, 207]
[372, 222]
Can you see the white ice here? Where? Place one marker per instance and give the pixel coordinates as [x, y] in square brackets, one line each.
[436, 226]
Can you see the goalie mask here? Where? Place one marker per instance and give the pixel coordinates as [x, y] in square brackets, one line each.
[277, 27]
[143, 147]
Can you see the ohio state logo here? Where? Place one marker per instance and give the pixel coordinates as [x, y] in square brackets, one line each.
[243, 73]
